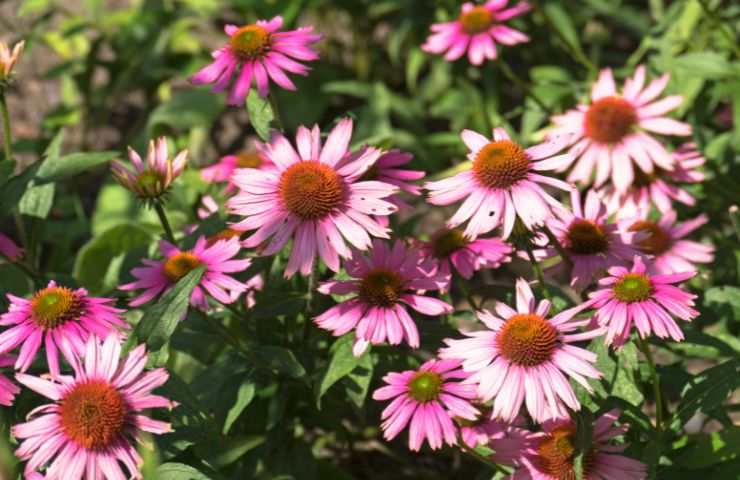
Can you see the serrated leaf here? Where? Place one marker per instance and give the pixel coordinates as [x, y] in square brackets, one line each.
[342, 363]
[260, 114]
[707, 391]
[179, 471]
[244, 397]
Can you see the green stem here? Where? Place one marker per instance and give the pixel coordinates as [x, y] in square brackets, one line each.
[522, 85]
[645, 348]
[165, 223]
[576, 53]
[6, 127]
[558, 246]
[481, 458]
[537, 271]
[720, 25]
[275, 111]
[309, 301]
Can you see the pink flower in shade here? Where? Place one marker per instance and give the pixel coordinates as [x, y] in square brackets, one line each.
[501, 183]
[9, 249]
[593, 244]
[661, 188]
[254, 284]
[523, 357]
[482, 431]
[218, 258]
[94, 424]
[648, 301]
[386, 170]
[426, 400]
[58, 318]
[258, 51]
[314, 196]
[8, 390]
[386, 282]
[224, 169]
[449, 247]
[477, 30]
[151, 179]
[664, 242]
[550, 454]
[616, 130]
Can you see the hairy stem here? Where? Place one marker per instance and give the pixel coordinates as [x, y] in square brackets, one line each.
[645, 348]
[537, 271]
[6, 128]
[165, 223]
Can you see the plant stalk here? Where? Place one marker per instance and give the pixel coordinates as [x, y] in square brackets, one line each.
[522, 85]
[165, 223]
[6, 127]
[645, 348]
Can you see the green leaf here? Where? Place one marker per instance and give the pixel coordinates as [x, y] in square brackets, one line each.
[221, 454]
[244, 397]
[358, 382]
[260, 114]
[279, 359]
[561, 21]
[95, 260]
[161, 319]
[710, 65]
[187, 109]
[707, 391]
[342, 363]
[179, 471]
[37, 200]
[59, 168]
[707, 449]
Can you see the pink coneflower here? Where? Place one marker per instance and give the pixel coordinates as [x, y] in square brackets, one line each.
[482, 431]
[477, 30]
[94, 422]
[550, 454]
[9, 249]
[8, 59]
[650, 301]
[314, 196]
[259, 50]
[218, 258]
[386, 170]
[659, 188]
[8, 390]
[449, 247]
[150, 180]
[593, 244]
[523, 356]
[224, 169]
[501, 183]
[58, 318]
[426, 399]
[616, 129]
[664, 243]
[387, 282]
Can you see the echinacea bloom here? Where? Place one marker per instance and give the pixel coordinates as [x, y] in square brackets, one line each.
[660, 188]
[449, 247]
[387, 170]
[59, 319]
[314, 196]
[224, 169]
[524, 357]
[150, 180]
[426, 400]
[9, 58]
[95, 422]
[616, 130]
[665, 244]
[551, 454]
[501, 183]
[387, 281]
[648, 301]
[593, 243]
[482, 431]
[259, 51]
[157, 277]
[8, 390]
[9, 249]
[476, 31]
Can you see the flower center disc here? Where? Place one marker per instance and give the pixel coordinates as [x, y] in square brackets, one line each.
[251, 41]
[225, 234]
[381, 288]
[447, 242]
[633, 287]
[248, 160]
[311, 190]
[556, 454]
[93, 414]
[476, 20]
[425, 386]
[657, 240]
[54, 306]
[501, 164]
[586, 238]
[609, 119]
[150, 180]
[180, 264]
[527, 340]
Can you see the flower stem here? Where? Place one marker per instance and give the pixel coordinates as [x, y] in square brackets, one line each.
[165, 223]
[481, 458]
[558, 246]
[537, 270]
[645, 348]
[522, 85]
[309, 301]
[6, 127]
